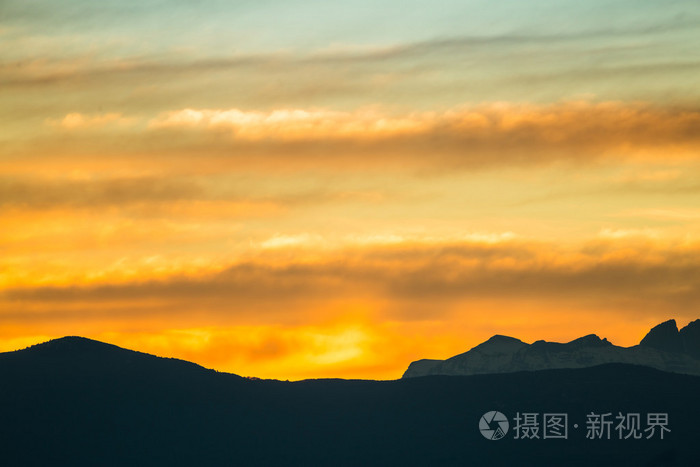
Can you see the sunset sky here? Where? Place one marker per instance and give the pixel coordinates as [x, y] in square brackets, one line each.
[299, 189]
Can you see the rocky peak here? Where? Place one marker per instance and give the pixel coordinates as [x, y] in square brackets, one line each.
[664, 337]
[499, 343]
[690, 338]
[591, 340]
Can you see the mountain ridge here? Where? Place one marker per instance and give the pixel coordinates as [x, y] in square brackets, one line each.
[664, 348]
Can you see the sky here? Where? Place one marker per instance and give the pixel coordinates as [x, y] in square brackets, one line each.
[301, 189]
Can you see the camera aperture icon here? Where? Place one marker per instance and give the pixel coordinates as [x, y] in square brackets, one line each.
[493, 425]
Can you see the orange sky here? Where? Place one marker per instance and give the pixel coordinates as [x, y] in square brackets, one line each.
[341, 196]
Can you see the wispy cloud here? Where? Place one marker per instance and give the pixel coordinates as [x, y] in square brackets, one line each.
[74, 121]
[37, 193]
[171, 192]
[489, 135]
[663, 213]
[645, 276]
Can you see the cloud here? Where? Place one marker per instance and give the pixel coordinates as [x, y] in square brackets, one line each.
[60, 69]
[294, 124]
[283, 241]
[38, 194]
[141, 196]
[637, 275]
[663, 213]
[502, 125]
[626, 233]
[434, 73]
[464, 137]
[74, 121]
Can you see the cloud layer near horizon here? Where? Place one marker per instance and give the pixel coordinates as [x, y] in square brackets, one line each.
[351, 295]
[613, 269]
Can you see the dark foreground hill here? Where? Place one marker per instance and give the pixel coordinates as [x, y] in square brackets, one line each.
[79, 402]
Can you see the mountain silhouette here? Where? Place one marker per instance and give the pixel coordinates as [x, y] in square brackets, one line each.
[75, 402]
[690, 337]
[667, 337]
[664, 348]
[664, 337]
[73, 352]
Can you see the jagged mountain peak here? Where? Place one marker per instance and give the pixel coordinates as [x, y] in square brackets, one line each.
[690, 338]
[693, 326]
[669, 326]
[664, 337]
